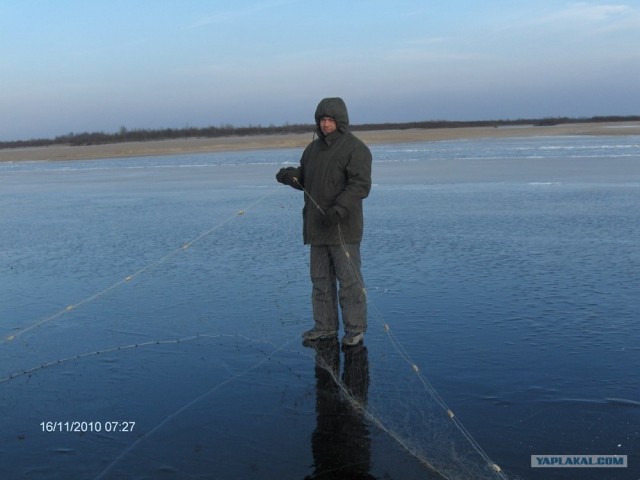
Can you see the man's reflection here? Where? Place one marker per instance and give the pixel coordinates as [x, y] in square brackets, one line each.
[341, 443]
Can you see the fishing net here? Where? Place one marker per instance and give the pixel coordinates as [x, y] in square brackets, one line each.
[165, 343]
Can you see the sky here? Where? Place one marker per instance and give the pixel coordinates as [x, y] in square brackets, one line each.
[100, 65]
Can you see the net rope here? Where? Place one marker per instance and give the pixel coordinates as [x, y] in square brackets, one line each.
[409, 361]
[372, 416]
[137, 273]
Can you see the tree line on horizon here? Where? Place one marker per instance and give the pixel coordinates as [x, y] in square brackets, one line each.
[143, 135]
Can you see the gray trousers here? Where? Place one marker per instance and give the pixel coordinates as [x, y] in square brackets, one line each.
[337, 277]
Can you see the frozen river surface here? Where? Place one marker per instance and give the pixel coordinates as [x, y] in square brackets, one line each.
[151, 311]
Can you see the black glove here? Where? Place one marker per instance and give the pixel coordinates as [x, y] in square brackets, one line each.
[287, 175]
[332, 217]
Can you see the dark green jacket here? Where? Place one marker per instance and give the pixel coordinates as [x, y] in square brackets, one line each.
[336, 173]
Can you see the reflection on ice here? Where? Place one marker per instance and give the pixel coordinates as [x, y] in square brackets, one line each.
[341, 442]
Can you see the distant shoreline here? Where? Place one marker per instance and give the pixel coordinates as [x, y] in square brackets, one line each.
[300, 140]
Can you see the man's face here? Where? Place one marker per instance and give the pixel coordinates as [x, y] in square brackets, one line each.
[327, 125]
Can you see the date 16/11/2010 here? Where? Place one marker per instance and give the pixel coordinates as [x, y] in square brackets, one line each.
[87, 427]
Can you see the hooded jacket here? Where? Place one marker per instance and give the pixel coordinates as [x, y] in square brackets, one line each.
[335, 171]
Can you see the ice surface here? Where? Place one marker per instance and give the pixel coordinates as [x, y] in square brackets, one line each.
[507, 270]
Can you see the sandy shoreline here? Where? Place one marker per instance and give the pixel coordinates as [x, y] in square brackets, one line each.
[203, 145]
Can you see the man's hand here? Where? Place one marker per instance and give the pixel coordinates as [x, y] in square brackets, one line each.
[287, 176]
[332, 217]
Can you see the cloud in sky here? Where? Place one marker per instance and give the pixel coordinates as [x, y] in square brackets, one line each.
[78, 66]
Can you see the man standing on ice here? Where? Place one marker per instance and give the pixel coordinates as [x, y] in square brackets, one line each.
[335, 175]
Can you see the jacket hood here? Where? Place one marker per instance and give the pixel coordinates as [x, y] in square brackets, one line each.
[335, 108]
